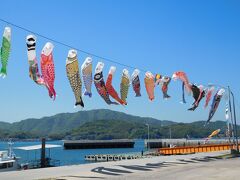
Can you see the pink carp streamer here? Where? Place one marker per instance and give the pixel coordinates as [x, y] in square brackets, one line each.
[209, 96]
[47, 67]
[185, 82]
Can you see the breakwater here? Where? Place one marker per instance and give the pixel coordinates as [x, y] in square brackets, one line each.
[98, 144]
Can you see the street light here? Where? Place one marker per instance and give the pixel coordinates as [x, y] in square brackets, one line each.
[235, 121]
[232, 114]
[170, 132]
[148, 144]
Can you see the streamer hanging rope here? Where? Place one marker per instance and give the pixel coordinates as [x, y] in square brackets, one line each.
[69, 46]
[98, 76]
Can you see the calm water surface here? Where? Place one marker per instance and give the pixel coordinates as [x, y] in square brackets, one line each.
[68, 157]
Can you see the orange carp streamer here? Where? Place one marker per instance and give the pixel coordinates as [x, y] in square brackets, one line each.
[112, 92]
[150, 85]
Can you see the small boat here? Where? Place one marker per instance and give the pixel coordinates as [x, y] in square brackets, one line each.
[8, 160]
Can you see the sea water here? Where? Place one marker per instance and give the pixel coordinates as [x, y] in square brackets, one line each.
[67, 157]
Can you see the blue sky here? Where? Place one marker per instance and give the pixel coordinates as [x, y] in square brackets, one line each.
[199, 37]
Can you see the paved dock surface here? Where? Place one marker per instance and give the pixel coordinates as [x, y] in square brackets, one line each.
[194, 166]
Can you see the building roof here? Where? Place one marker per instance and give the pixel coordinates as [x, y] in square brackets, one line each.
[7, 161]
[36, 147]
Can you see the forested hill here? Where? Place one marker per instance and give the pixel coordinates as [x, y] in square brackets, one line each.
[102, 124]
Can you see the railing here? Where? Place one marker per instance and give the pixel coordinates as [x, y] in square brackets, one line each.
[195, 149]
[35, 164]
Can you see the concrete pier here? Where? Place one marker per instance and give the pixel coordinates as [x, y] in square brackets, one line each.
[194, 166]
[95, 144]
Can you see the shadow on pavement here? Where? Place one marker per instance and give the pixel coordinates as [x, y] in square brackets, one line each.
[117, 170]
[109, 171]
[138, 168]
[87, 177]
[100, 171]
[174, 163]
[154, 165]
[202, 159]
[214, 158]
[187, 161]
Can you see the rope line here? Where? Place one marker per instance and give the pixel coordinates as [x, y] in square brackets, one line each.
[80, 50]
[70, 46]
[86, 52]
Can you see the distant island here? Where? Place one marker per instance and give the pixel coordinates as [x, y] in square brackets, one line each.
[104, 124]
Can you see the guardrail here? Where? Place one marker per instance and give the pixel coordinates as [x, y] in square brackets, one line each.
[35, 164]
[195, 149]
[112, 157]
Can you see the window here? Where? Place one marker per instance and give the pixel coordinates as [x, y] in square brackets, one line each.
[6, 165]
[3, 166]
[10, 164]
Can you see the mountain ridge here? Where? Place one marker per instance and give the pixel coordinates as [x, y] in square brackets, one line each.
[101, 124]
[69, 121]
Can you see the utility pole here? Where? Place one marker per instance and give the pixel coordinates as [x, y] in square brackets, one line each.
[233, 116]
[43, 153]
[148, 143]
[235, 121]
[170, 133]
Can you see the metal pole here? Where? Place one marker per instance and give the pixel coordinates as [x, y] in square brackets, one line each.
[170, 133]
[43, 153]
[235, 121]
[148, 143]
[231, 115]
